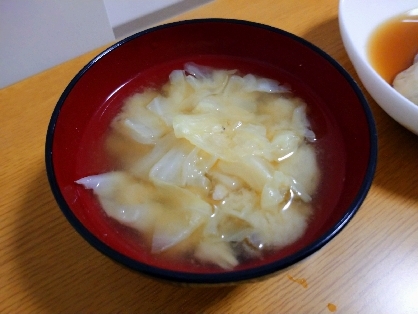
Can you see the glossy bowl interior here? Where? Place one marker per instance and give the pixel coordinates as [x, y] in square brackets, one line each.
[358, 20]
[339, 114]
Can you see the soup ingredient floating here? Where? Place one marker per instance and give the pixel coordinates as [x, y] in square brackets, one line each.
[401, 32]
[406, 82]
[217, 167]
[398, 67]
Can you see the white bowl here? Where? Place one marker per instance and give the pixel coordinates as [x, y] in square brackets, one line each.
[358, 19]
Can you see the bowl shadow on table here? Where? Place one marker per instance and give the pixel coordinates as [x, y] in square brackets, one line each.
[397, 147]
[63, 273]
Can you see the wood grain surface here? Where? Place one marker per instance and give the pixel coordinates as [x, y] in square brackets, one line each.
[46, 267]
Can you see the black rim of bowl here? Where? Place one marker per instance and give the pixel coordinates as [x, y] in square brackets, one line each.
[223, 277]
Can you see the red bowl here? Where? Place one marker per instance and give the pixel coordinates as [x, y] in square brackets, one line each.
[339, 115]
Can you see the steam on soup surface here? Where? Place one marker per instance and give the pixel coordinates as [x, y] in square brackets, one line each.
[216, 166]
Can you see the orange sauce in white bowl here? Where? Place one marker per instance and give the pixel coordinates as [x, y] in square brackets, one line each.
[394, 44]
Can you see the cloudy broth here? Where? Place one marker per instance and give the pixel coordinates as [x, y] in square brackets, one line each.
[95, 159]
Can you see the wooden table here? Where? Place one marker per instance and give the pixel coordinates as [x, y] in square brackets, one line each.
[45, 266]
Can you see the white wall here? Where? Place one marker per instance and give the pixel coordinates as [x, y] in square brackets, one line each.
[124, 11]
[38, 34]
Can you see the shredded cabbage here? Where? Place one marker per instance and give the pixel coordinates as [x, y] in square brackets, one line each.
[227, 168]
